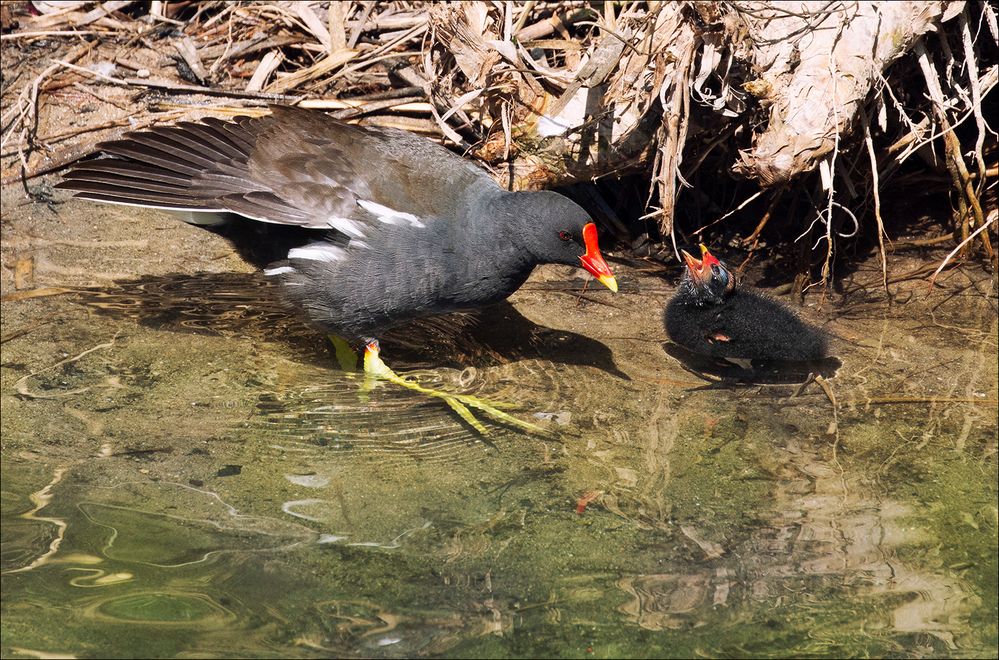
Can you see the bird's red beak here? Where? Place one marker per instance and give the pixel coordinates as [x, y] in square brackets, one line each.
[700, 269]
[593, 261]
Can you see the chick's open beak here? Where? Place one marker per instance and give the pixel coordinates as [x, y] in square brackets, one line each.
[593, 261]
[700, 269]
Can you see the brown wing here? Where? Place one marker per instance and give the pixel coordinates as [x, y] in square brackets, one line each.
[294, 167]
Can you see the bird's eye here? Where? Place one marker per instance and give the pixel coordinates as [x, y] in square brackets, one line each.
[565, 236]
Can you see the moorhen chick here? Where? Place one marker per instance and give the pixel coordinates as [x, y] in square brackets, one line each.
[391, 226]
[710, 315]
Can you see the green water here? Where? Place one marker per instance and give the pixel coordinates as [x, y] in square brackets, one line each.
[185, 473]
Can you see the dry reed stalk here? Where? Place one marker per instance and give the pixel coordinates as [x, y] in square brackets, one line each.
[547, 93]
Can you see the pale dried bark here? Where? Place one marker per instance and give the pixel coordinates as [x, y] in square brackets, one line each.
[817, 61]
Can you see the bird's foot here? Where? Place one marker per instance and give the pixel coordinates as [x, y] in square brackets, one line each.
[375, 368]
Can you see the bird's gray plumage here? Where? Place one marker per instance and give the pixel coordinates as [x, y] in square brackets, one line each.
[403, 227]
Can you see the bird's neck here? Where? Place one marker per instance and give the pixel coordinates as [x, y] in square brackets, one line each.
[689, 294]
[505, 221]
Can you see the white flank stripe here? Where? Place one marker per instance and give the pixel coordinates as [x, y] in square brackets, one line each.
[317, 252]
[387, 215]
[360, 244]
[177, 209]
[280, 270]
[161, 207]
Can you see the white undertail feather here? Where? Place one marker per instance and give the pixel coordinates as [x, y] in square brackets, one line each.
[387, 215]
[347, 226]
[318, 252]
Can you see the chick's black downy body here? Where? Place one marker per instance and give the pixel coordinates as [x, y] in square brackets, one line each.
[711, 316]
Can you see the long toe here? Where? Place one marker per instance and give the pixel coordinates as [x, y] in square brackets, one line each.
[375, 368]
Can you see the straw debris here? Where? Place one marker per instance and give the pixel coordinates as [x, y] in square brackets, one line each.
[818, 97]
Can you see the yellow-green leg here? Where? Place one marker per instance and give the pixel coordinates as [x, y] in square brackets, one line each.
[460, 403]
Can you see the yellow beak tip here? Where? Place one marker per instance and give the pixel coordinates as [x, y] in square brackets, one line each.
[609, 282]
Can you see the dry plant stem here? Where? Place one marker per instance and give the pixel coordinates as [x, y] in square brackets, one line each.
[604, 59]
[915, 133]
[17, 334]
[268, 64]
[550, 25]
[741, 269]
[78, 20]
[173, 87]
[100, 97]
[828, 179]
[970, 238]
[834, 425]
[355, 34]
[402, 104]
[968, 203]
[413, 102]
[525, 13]
[45, 34]
[884, 401]
[876, 190]
[58, 137]
[27, 104]
[754, 238]
[976, 96]
[21, 386]
[35, 293]
[675, 123]
[321, 68]
[738, 208]
[923, 242]
[918, 137]
[189, 52]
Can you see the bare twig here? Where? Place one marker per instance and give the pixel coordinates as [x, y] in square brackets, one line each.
[960, 245]
[21, 386]
[876, 190]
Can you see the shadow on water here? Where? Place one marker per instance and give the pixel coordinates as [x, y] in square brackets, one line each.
[495, 353]
[752, 372]
[233, 303]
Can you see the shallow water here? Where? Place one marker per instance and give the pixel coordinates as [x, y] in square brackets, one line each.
[185, 473]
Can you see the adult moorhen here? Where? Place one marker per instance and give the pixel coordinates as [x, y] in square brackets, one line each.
[391, 226]
[710, 315]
